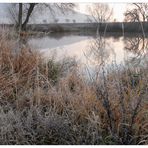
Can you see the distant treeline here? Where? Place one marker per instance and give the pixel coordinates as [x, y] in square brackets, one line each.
[138, 27]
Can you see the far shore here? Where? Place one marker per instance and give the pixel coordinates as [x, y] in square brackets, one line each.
[120, 27]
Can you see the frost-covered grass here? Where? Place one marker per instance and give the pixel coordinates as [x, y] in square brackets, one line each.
[52, 103]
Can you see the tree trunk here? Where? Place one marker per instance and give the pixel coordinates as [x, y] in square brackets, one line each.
[31, 7]
[20, 16]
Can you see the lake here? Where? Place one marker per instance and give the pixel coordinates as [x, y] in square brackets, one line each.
[93, 50]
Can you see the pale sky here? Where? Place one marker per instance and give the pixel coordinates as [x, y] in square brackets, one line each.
[118, 9]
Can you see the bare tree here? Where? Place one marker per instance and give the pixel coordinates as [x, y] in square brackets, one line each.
[137, 12]
[74, 21]
[67, 20]
[29, 12]
[13, 13]
[56, 20]
[21, 13]
[101, 12]
[89, 20]
[44, 21]
[20, 16]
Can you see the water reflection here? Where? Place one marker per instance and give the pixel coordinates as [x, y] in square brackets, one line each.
[52, 42]
[137, 46]
[100, 51]
[94, 50]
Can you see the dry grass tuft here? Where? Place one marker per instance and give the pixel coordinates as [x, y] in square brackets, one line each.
[52, 103]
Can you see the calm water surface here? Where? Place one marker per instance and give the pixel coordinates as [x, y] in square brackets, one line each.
[91, 51]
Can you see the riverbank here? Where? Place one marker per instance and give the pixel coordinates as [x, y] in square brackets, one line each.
[53, 103]
[136, 27]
